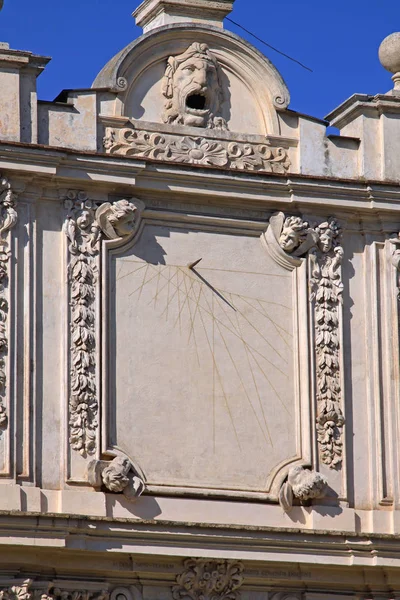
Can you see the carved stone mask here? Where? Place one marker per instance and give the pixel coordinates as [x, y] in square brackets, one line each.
[193, 89]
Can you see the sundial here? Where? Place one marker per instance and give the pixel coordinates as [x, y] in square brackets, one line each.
[205, 359]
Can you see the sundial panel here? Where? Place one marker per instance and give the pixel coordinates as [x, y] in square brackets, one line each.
[204, 359]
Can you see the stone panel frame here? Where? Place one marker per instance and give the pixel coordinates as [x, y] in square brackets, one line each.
[305, 411]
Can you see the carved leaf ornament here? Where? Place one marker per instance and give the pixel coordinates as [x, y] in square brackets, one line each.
[196, 150]
[209, 580]
[84, 228]
[294, 238]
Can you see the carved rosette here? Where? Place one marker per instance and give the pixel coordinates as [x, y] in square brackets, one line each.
[85, 226]
[196, 150]
[289, 239]
[209, 580]
[8, 219]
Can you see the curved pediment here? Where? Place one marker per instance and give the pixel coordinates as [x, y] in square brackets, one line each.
[243, 90]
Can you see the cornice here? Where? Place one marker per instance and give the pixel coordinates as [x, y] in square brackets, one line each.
[68, 536]
[64, 167]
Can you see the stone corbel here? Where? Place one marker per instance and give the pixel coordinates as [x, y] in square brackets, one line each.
[302, 484]
[117, 476]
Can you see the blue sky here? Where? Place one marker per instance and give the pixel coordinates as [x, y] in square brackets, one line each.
[339, 40]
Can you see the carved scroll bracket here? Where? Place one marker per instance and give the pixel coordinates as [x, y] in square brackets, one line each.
[288, 239]
[85, 226]
[209, 580]
[302, 484]
[117, 476]
[8, 219]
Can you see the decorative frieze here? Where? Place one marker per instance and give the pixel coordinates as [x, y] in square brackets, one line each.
[209, 580]
[8, 219]
[27, 590]
[244, 156]
[296, 239]
[85, 224]
[302, 484]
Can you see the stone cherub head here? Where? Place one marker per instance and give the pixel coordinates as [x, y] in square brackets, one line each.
[294, 232]
[193, 89]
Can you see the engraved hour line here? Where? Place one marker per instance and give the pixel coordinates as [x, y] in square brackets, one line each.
[233, 332]
[190, 296]
[210, 314]
[235, 366]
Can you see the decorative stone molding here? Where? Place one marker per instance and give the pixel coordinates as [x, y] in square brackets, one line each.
[288, 239]
[8, 219]
[56, 593]
[209, 580]
[193, 89]
[25, 591]
[84, 227]
[243, 156]
[117, 476]
[302, 484]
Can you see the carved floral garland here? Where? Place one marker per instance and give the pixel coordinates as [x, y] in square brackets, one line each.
[83, 235]
[8, 218]
[84, 228]
[209, 580]
[322, 243]
[326, 293]
[196, 150]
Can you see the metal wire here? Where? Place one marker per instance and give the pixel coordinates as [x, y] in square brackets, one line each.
[269, 45]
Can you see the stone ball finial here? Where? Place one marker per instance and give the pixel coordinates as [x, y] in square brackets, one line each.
[389, 53]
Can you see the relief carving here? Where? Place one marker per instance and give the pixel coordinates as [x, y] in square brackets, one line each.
[209, 580]
[17, 592]
[24, 591]
[8, 219]
[302, 484]
[241, 156]
[120, 219]
[117, 476]
[193, 89]
[84, 228]
[288, 239]
[326, 294]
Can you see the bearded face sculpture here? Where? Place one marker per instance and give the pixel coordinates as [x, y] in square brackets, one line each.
[193, 89]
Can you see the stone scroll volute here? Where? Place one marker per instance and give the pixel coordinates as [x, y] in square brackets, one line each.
[288, 239]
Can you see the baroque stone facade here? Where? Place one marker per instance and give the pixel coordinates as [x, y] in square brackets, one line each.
[199, 328]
